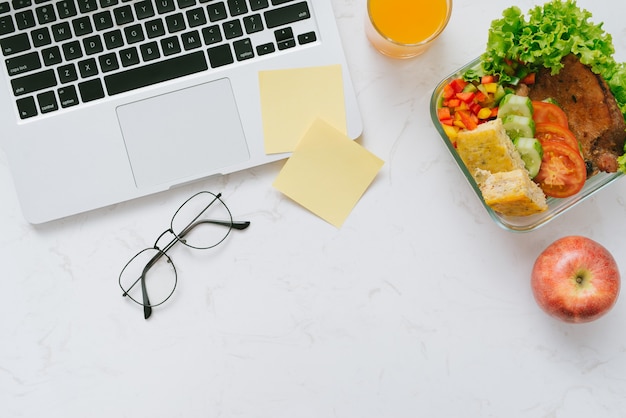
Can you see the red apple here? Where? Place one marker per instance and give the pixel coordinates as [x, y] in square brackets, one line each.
[575, 279]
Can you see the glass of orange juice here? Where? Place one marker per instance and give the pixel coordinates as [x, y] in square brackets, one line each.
[405, 28]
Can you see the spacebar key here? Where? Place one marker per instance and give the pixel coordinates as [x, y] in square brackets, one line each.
[155, 73]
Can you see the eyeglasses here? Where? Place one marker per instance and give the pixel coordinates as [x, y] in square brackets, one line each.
[202, 222]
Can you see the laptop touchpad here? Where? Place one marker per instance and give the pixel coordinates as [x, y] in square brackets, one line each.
[191, 132]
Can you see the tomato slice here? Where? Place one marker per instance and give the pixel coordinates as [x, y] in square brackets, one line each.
[563, 172]
[549, 112]
[553, 131]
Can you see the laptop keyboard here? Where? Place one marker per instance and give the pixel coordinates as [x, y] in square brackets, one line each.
[59, 54]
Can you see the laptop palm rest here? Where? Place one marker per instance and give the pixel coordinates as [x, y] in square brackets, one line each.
[188, 133]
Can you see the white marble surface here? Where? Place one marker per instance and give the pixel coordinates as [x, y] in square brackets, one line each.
[419, 306]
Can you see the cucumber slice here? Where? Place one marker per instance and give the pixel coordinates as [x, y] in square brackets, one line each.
[532, 152]
[552, 101]
[500, 93]
[470, 87]
[519, 126]
[512, 104]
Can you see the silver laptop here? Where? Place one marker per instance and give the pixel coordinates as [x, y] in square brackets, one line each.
[103, 101]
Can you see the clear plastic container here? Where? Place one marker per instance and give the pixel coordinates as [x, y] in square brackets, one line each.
[512, 223]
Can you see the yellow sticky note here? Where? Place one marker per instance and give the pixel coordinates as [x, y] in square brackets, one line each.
[292, 99]
[328, 173]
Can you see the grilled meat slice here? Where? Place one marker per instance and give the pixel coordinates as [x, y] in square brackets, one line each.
[593, 114]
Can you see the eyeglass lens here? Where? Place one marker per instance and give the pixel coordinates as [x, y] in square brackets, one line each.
[153, 270]
[203, 221]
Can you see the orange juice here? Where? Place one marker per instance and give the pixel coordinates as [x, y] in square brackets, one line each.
[404, 28]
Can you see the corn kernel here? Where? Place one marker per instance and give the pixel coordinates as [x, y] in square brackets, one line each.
[484, 113]
[491, 87]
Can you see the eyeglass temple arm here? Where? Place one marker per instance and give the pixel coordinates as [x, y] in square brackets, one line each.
[147, 309]
[234, 224]
[239, 225]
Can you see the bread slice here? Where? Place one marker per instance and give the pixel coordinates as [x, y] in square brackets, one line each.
[511, 193]
[488, 147]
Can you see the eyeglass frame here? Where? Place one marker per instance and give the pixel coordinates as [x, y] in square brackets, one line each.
[178, 237]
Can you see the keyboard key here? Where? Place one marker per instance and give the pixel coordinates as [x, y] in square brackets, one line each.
[134, 34]
[33, 82]
[51, 56]
[26, 107]
[87, 68]
[82, 26]
[23, 63]
[67, 73]
[237, 7]
[113, 39]
[277, 2]
[191, 40]
[212, 35]
[20, 4]
[108, 3]
[108, 62]
[15, 44]
[183, 4]
[103, 20]
[284, 34]
[287, 14]
[220, 55]
[93, 45]
[123, 15]
[72, 50]
[25, 19]
[170, 45]
[91, 90]
[290, 43]
[253, 23]
[216, 12]
[4, 7]
[155, 73]
[61, 31]
[307, 38]
[6, 25]
[196, 17]
[155, 28]
[232, 29]
[258, 4]
[175, 23]
[47, 102]
[129, 56]
[265, 49]
[243, 49]
[144, 9]
[86, 6]
[165, 6]
[66, 9]
[68, 96]
[41, 37]
[150, 51]
[45, 14]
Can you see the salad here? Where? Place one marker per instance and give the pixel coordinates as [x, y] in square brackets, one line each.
[518, 48]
